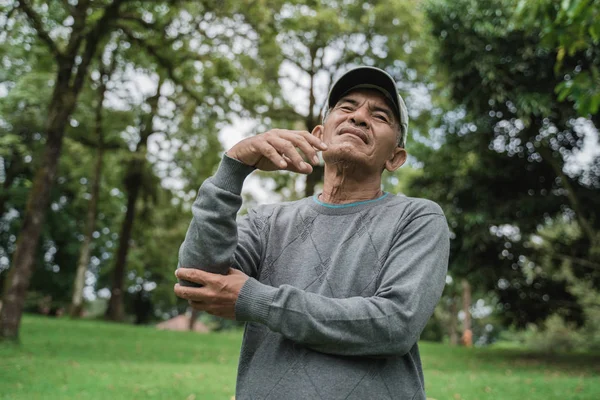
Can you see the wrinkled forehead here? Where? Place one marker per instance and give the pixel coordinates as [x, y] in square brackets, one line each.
[373, 96]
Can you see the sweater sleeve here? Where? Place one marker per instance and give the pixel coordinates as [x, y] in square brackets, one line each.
[214, 241]
[387, 323]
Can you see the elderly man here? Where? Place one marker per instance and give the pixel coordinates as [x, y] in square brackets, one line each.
[335, 289]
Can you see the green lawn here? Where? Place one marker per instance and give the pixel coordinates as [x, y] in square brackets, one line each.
[62, 359]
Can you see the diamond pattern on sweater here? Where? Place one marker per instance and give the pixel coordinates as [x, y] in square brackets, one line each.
[322, 268]
[300, 254]
[267, 269]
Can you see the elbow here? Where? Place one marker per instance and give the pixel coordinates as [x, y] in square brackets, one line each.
[193, 257]
[404, 335]
[402, 346]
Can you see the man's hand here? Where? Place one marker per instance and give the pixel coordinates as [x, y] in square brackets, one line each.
[277, 149]
[218, 293]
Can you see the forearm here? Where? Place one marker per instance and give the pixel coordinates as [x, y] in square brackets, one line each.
[212, 236]
[354, 326]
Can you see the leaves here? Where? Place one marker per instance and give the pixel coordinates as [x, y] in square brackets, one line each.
[573, 30]
[499, 171]
[193, 48]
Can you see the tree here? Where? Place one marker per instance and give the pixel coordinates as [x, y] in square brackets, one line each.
[499, 170]
[74, 35]
[72, 63]
[23, 109]
[137, 177]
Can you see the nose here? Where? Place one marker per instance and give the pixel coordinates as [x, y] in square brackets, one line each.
[360, 117]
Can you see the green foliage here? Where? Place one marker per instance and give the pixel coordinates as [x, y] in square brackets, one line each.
[550, 246]
[554, 335]
[207, 54]
[571, 28]
[498, 170]
[489, 142]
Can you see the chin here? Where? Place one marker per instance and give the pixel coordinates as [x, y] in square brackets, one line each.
[344, 153]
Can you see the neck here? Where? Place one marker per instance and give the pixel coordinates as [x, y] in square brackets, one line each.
[342, 185]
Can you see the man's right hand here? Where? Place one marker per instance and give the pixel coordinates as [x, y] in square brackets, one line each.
[278, 149]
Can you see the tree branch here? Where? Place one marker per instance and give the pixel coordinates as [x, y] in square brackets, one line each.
[296, 63]
[297, 85]
[163, 62]
[579, 261]
[36, 22]
[79, 16]
[93, 38]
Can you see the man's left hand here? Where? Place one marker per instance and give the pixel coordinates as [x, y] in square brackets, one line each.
[218, 293]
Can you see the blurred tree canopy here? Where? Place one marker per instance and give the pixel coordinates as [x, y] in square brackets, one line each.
[505, 167]
[50, 51]
[110, 113]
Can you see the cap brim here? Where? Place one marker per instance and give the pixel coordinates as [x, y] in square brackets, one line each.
[364, 77]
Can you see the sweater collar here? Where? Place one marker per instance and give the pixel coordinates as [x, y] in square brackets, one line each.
[349, 208]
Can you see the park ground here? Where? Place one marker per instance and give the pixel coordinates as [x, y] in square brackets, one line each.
[64, 359]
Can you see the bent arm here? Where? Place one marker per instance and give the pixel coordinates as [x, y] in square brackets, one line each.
[211, 242]
[388, 323]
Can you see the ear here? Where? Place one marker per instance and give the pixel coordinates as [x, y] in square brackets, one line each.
[318, 132]
[396, 160]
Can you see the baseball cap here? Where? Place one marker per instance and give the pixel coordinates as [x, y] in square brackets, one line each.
[371, 78]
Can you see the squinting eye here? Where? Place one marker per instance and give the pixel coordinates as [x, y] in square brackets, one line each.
[381, 117]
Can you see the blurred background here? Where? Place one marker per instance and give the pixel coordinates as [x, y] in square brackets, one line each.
[113, 112]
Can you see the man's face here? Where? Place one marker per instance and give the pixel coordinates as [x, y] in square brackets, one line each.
[362, 129]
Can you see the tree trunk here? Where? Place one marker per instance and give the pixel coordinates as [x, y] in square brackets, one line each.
[467, 337]
[452, 331]
[17, 281]
[115, 310]
[133, 183]
[84, 255]
[193, 317]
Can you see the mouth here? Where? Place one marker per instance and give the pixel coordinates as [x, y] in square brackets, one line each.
[355, 132]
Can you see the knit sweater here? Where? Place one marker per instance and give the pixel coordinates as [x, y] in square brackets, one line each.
[338, 294]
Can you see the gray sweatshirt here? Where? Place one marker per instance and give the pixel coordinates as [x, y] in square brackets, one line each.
[338, 294]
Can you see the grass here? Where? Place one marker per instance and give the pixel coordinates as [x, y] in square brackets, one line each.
[63, 359]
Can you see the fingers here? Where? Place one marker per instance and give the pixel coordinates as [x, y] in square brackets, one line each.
[194, 275]
[306, 142]
[271, 153]
[195, 294]
[279, 149]
[214, 309]
[313, 140]
[309, 145]
[287, 149]
[287, 145]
